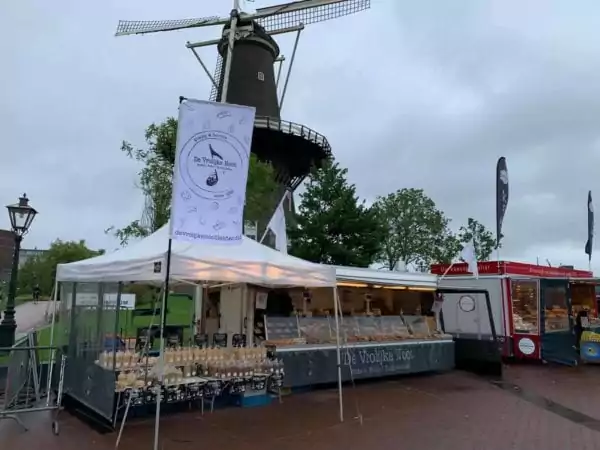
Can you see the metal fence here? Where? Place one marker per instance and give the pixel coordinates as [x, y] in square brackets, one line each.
[31, 380]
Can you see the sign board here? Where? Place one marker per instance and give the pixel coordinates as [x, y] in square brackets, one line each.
[526, 346]
[261, 300]
[282, 328]
[89, 299]
[510, 268]
[365, 361]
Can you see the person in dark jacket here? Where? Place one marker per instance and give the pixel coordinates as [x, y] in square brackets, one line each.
[36, 294]
[581, 323]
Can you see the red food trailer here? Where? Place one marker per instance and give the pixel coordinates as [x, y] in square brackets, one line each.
[534, 308]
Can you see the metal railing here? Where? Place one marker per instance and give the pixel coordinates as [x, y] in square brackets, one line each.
[293, 129]
[29, 382]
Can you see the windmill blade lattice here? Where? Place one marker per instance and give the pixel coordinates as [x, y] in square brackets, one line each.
[214, 92]
[126, 27]
[302, 12]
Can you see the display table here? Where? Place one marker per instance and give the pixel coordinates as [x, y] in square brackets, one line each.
[309, 365]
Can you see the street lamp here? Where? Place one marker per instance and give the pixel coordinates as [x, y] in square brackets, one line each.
[21, 215]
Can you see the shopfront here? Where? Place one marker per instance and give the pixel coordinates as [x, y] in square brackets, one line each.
[540, 312]
[386, 324]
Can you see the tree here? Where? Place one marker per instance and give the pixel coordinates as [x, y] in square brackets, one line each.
[415, 231]
[41, 269]
[332, 225]
[156, 176]
[483, 239]
[447, 248]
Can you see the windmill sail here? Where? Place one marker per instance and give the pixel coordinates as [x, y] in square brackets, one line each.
[272, 18]
[215, 89]
[127, 27]
[305, 12]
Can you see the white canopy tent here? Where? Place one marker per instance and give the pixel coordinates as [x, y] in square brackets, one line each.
[249, 262]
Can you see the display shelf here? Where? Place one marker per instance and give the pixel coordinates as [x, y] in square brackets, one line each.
[316, 329]
[525, 298]
[358, 345]
[418, 326]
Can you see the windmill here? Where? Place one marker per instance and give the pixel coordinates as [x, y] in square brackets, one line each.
[245, 75]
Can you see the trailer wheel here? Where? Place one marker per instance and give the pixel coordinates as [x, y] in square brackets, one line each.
[55, 428]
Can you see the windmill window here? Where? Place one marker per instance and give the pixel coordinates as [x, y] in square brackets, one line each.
[261, 76]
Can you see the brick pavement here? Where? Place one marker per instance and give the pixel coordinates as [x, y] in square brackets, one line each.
[575, 387]
[449, 411]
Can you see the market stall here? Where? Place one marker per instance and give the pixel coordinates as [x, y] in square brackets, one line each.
[107, 376]
[535, 309]
[387, 328]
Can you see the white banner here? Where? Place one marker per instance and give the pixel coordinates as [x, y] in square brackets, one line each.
[211, 170]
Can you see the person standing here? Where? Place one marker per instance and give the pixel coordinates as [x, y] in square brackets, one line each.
[36, 294]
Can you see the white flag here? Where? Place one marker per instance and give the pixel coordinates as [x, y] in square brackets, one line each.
[210, 172]
[277, 226]
[469, 256]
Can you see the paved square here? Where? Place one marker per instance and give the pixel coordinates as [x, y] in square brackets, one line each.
[446, 412]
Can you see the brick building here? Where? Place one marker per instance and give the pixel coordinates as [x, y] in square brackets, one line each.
[7, 247]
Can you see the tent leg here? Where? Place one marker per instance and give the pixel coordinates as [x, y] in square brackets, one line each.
[197, 308]
[338, 353]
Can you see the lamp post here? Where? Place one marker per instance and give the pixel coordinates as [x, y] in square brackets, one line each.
[21, 215]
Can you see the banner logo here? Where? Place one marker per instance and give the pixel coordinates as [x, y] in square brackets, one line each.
[209, 161]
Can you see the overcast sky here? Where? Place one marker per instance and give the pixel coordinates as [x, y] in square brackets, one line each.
[424, 94]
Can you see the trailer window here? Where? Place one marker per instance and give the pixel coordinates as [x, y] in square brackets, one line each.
[583, 297]
[555, 308]
[524, 297]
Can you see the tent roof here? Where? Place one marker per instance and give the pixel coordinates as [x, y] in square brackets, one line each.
[249, 262]
[386, 277]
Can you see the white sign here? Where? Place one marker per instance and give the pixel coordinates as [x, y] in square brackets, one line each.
[127, 301]
[466, 303]
[90, 299]
[526, 346]
[261, 300]
[211, 170]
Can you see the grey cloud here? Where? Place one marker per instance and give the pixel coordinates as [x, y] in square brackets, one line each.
[410, 94]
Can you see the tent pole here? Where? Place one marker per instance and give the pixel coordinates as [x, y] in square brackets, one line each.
[337, 348]
[52, 351]
[197, 307]
[161, 363]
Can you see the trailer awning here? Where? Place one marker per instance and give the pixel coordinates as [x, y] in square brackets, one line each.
[585, 280]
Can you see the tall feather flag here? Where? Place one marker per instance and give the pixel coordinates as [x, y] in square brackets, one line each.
[501, 196]
[590, 216]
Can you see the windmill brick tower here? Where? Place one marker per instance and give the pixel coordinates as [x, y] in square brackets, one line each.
[248, 72]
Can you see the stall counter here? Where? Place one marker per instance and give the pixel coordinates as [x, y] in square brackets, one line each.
[310, 365]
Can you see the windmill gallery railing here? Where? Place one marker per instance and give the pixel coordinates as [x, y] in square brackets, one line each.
[294, 129]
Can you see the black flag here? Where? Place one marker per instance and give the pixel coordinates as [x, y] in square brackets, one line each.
[590, 240]
[501, 196]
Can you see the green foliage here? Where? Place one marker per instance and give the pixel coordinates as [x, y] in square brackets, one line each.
[415, 231]
[262, 191]
[446, 249]
[41, 269]
[484, 240]
[156, 175]
[333, 226]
